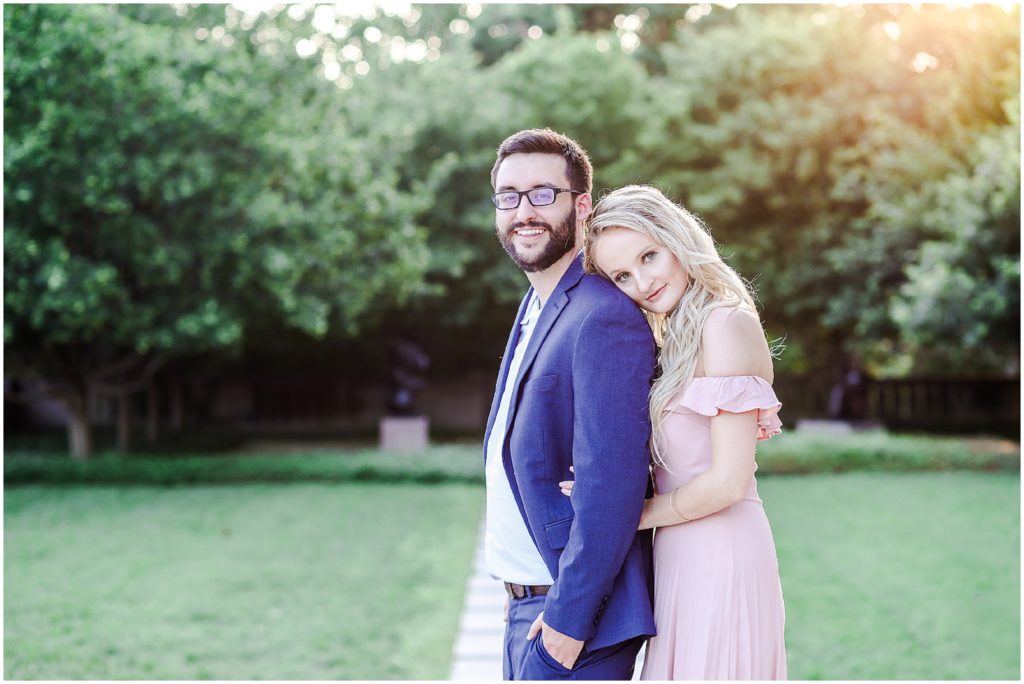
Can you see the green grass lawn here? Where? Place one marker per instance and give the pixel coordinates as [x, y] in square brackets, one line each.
[899, 576]
[259, 581]
[886, 576]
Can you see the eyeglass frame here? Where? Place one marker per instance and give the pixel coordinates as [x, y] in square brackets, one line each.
[526, 193]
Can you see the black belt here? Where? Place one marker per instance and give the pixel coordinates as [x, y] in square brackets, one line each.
[518, 591]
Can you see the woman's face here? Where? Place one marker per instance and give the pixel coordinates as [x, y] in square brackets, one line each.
[642, 268]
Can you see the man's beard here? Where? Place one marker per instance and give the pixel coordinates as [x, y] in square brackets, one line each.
[560, 241]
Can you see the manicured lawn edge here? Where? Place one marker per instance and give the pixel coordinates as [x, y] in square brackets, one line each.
[434, 465]
[791, 453]
[799, 453]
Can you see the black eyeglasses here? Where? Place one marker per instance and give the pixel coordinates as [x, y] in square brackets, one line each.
[539, 197]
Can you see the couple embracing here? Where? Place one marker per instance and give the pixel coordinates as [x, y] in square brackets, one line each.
[588, 450]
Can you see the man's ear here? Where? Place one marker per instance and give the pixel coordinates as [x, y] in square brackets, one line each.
[584, 205]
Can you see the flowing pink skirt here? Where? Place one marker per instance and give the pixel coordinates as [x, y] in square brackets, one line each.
[717, 599]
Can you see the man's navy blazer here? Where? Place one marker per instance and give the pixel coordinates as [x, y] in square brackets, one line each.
[581, 400]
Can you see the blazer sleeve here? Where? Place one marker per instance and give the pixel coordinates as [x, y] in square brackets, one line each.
[612, 367]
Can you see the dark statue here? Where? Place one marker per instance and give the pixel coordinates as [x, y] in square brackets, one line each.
[409, 365]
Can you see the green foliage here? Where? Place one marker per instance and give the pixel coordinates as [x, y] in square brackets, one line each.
[961, 300]
[113, 164]
[816, 142]
[442, 121]
[797, 452]
[160, 204]
[180, 181]
[596, 100]
[437, 464]
[161, 200]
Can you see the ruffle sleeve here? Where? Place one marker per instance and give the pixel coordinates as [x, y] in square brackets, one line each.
[735, 394]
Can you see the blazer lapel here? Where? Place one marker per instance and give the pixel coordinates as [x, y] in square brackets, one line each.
[506, 360]
[549, 314]
[552, 310]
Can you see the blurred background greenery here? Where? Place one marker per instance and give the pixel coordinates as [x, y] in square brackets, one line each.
[256, 199]
[218, 218]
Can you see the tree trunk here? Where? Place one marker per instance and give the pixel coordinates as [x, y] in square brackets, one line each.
[152, 414]
[79, 435]
[124, 423]
[177, 405]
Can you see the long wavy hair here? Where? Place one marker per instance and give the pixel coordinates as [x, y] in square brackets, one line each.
[713, 284]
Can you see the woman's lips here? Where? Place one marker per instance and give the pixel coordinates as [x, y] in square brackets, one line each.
[657, 293]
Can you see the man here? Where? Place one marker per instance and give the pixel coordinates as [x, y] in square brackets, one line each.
[572, 392]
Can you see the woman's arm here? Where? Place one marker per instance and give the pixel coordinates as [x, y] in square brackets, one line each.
[732, 466]
[733, 343]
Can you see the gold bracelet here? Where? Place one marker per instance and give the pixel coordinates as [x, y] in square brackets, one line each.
[672, 505]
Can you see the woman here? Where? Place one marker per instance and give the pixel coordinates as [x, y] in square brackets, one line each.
[717, 598]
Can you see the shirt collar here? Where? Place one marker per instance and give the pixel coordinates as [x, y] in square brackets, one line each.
[532, 310]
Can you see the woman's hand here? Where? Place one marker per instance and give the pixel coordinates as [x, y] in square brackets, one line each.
[566, 485]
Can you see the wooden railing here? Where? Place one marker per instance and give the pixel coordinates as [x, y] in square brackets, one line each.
[930, 404]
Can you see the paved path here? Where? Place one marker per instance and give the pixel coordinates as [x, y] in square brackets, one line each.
[478, 646]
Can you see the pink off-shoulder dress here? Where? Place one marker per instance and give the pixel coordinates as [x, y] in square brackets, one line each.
[717, 597]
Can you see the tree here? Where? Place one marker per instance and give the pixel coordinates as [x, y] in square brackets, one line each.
[960, 304]
[804, 136]
[158, 204]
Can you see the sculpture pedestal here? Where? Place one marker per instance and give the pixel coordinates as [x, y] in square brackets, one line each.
[404, 433]
[836, 427]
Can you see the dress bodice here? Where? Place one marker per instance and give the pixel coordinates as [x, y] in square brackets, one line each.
[687, 428]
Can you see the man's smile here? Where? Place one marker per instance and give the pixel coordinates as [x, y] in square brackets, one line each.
[529, 232]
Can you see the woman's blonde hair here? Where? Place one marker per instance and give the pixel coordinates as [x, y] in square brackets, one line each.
[713, 284]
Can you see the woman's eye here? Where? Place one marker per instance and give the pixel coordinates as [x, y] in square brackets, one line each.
[621, 278]
[647, 258]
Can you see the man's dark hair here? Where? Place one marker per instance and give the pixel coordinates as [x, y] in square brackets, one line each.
[547, 141]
